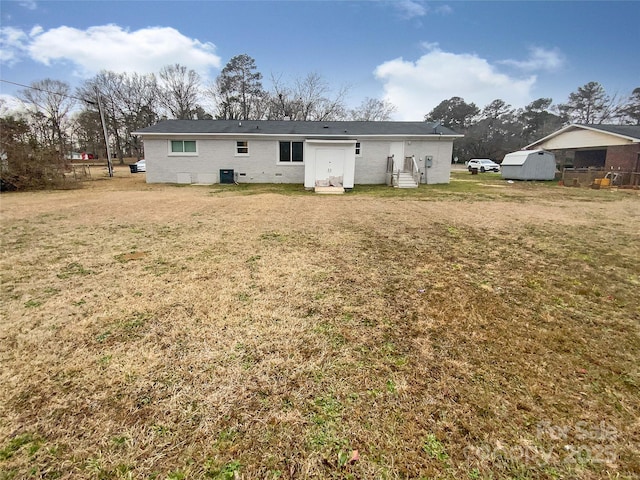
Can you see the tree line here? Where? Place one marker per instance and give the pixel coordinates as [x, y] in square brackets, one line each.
[498, 128]
[59, 119]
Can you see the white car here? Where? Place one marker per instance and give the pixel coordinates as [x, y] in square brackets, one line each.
[141, 165]
[483, 165]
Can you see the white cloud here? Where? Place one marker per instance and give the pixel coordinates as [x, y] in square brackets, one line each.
[418, 8]
[444, 9]
[411, 8]
[539, 59]
[415, 88]
[110, 47]
[430, 45]
[12, 44]
[10, 105]
[29, 4]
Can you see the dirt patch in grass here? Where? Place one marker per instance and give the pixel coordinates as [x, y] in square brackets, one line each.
[453, 332]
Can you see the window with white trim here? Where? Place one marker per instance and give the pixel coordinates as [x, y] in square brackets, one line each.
[242, 148]
[291, 152]
[188, 147]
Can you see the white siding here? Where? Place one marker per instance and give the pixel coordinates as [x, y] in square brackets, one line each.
[371, 164]
[441, 152]
[262, 166]
[581, 138]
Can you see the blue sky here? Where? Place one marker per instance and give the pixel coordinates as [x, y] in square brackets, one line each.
[413, 53]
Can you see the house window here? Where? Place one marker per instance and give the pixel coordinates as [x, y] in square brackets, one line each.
[183, 146]
[291, 151]
[357, 148]
[242, 148]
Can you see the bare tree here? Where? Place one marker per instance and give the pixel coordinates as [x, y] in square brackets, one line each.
[136, 103]
[316, 101]
[27, 162]
[107, 85]
[281, 103]
[179, 91]
[309, 99]
[87, 130]
[130, 102]
[49, 103]
[372, 109]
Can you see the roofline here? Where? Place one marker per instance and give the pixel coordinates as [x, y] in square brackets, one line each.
[596, 129]
[530, 151]
[558, 132]
[305, 135]
[586, 127]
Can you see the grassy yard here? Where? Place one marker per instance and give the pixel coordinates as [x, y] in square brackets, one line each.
[479, 330]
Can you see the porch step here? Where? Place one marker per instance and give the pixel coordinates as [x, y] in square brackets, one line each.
[405, 180]
[329, 190]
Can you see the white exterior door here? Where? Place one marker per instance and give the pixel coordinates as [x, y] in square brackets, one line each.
[329, 163]
[327, 160]
[396, 149]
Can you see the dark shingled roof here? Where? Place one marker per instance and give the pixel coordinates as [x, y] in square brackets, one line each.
[283, 127]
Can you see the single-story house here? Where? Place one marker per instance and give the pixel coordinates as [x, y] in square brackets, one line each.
[607, 147]
[317, 154]
[529, 165]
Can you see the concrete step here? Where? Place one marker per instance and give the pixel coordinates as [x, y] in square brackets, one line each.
[329, 190]
[405, 180]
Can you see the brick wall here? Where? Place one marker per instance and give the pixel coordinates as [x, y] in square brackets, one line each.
[623, 158]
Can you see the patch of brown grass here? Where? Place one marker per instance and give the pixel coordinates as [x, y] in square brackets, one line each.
[154, 330]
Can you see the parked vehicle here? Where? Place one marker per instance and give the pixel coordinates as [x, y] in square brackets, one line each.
[483, 165]
[139, 166]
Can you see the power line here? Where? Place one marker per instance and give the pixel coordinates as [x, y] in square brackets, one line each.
[98, 104]
[49, 91]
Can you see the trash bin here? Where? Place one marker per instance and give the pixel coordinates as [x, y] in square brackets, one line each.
[474, 171]
[133, 167]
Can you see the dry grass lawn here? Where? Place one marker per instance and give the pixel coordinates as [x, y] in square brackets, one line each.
[469, 331]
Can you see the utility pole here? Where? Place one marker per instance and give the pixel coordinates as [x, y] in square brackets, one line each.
[106, 134]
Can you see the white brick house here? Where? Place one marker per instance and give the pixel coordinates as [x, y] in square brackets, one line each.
[311, 153]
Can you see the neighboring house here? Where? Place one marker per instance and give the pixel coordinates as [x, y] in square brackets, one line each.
[606, 147]
[316, 154]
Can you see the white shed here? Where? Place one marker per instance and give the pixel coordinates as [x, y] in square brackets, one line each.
[529, 165]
